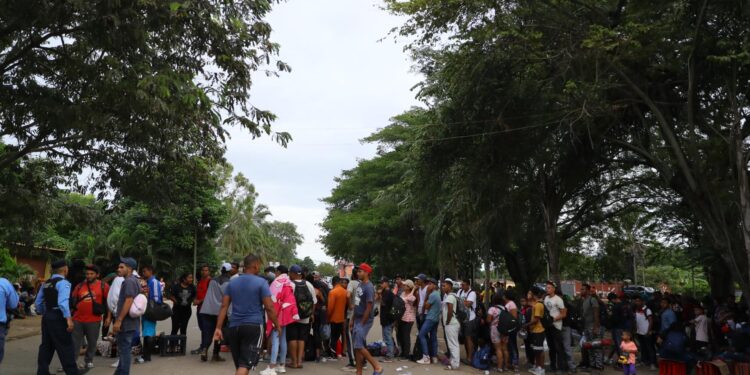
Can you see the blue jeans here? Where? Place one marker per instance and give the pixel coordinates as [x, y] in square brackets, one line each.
[3, 333]
[278, 347]
[124, 342]
[388, 339]
[429, 327]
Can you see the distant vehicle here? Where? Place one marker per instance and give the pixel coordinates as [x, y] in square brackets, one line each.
[632, 291]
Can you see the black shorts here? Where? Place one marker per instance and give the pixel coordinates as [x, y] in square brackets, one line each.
[297, 331]
[469, 328]
[245, 342]
[537, 341]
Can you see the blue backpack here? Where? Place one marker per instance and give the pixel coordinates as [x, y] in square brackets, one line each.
[482, 358]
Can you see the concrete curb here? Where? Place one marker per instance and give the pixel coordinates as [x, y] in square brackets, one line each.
[22, 335]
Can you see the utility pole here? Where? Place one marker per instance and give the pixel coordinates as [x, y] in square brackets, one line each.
[195, 256]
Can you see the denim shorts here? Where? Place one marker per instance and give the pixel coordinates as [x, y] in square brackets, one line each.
[359, 334]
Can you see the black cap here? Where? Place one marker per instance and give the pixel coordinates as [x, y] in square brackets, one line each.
[59, 263]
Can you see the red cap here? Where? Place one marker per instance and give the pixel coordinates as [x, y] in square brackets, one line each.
[365, 267]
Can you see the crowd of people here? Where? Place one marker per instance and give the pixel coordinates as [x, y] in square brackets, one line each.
[285, 316]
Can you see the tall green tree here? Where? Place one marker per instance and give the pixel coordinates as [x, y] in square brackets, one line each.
[370, 217]
[118, 86]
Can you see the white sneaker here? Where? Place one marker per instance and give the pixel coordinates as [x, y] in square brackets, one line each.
[139, 360]
[280, 369]
[114, 365]
[268, 371]
[90, 365]
[425, 360]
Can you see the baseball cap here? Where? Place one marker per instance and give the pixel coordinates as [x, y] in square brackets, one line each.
[226, 267]
[431, 280]
[365, 267]
[448, 280]
[295, 269]
[421, 276]
[130, 262]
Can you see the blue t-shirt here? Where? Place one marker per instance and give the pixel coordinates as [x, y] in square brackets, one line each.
[247, 293]
[8, 298]
[668, 318]
[434, 312]
[365, 295]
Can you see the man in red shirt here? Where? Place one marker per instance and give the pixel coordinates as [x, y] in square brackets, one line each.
[200, 295]
[90, 298]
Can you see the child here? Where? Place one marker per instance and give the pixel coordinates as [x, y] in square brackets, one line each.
[629, 349]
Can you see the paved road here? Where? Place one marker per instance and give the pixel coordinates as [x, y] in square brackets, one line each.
[20, 359]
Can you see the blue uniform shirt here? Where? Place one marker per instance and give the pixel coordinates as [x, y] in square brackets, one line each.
[63, 297]
[8, 298]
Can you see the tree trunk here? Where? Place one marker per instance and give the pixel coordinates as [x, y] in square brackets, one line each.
[742, 183]
[720, 280]
[551, 243]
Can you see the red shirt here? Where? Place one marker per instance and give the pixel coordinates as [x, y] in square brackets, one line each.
[84, 305]
[202, 290]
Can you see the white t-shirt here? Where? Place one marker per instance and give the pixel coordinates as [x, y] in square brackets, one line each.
[422, 300]
[450, 298]
[114, 293]
[554, 304]
[641, 320]
[470, 296]
[315, 299]
[701, 328]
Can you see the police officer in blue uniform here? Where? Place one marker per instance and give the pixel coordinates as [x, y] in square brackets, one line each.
[8, 301]
[53, 303]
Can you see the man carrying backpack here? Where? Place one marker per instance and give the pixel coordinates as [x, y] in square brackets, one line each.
[590, 312]
[535, 330]
[386, 321]
[53, 304]
[297, 333]
[451, 324]
[470, 326]
[557, 311]
[90, 303]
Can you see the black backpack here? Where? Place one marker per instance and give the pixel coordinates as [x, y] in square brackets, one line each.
[573, 318]
[398, 308]
[506, 322]
[547, 320]
[304, 299]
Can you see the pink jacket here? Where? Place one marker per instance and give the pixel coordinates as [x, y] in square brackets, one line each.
[284, 302]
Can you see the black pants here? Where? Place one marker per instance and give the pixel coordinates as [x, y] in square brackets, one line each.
[180, 319]
[56, 338]
[557, 358]
[417, 351]
[404, 337]
[647, 349]
[337, 332]
[349, 343]
[207, 334]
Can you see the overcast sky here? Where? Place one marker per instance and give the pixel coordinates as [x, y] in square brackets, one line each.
[344, 85]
